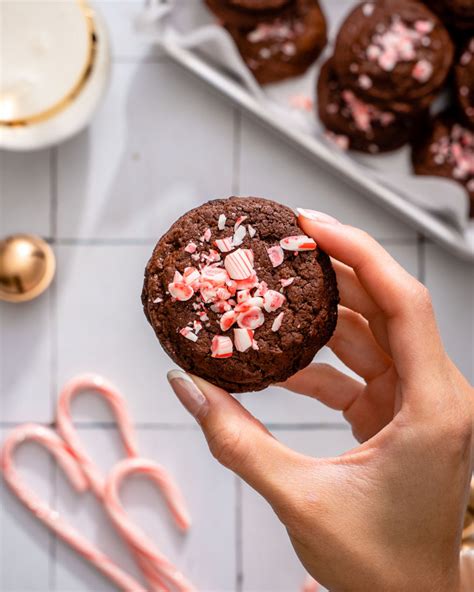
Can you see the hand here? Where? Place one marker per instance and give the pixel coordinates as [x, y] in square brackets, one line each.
[403, 490]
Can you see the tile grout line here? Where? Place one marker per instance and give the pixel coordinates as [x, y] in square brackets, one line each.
[237, 142]
[53, 541]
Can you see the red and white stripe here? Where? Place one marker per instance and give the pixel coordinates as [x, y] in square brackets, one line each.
[243, 339]
[253, 318]
[221, 347]
[276, 255]
[239, 265]
[273, 300]
[224, 244]
[298, 243]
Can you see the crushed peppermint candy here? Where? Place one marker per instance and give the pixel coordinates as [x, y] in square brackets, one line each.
[276, 255]
[277, 322]
[298, 243]
[422, 70]
[456, 149]
[225, 281]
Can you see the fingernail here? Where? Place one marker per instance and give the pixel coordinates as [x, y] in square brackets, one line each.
[317, 216]
[188, 393]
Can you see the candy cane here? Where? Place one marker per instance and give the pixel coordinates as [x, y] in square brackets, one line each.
[152, 573]
[140, 542]
[52, 442]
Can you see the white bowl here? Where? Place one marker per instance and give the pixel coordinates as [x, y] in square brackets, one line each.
[80, 83]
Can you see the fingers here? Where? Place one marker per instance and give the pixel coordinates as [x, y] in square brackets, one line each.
[353, 296]
[237, 440]
[326, 384]
[411, 327]
[354, 344]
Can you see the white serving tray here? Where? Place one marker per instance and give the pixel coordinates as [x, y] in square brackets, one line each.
[180, 28]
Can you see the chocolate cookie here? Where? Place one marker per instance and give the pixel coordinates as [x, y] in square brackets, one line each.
[247, 13]
[365, 126]
[395, 52]
[447, 150]
[464, 80]
[285, 46]
[236, 294]
[454, 14]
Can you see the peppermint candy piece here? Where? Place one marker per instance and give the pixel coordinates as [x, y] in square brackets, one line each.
[227, 320]
[221, 347]
[249, 283]
[221, 306]
[243, 295]
[249, 303]
[243, 339]
[223, 294]
[177, 277]
[206, 237]
[272, 300]
[239, 265]
[180, 291]
[157, 300]
[251, 319]
[276, 255]
[251, 230]
[277, 322]
[285, 282]
[190, 248]
[239, 221]
[224, 244]
[214, 275]
[186, 332]
[221, 222]
[208, 292]
[239, 236]
[262, 288]
[298, 243]
[191, 275]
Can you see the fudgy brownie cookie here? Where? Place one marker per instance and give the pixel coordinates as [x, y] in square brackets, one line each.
[364, 126]
[395, 52]
[236, 294]
[247, 13]
[447, 150]
[285, 46]
[464, 77]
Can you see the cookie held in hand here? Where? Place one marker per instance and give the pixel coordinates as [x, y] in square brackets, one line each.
[238, 295]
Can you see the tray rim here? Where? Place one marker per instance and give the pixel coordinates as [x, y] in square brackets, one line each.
[422, 220]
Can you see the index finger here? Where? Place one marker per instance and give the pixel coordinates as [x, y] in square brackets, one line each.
[411, 326]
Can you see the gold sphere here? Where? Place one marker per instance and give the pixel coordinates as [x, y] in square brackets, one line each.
[27, 266]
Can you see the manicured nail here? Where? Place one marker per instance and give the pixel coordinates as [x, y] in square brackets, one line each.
[188, 393]
[317, 216]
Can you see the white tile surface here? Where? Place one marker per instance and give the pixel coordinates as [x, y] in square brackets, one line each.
[451, 283]
[25, 360]
[102, 328]
[25, 192]
[136, 168]
[24, 542]
[271, 168]
[206, 555]
[269, 561]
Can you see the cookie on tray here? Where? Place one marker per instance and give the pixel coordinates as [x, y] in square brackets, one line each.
[447, 150]
[285, 46]
[464, 82]
[360, 125]
[247, 13]
[238, 295]
[393, 52]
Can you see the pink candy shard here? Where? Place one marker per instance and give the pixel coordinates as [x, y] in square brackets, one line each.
[249, 303]
[186, 332]
[180, 291]
[422, 71]
[298, 243]
[221, 306]
[215, 275]
[227, 320]
[177, 277]
[207, 235]
[221, 347]
[276, 255]
[239, 236]
[243, 339]
[190, 248]
[251, 319]
[249, 283]
[273, 300]
[239, 221]
[224, 244]
[277, 322]
[251, 230]
[261, 289]
[285, 282]
[239, 265]
[191, 275]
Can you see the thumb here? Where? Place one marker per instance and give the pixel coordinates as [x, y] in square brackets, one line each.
[238, 440]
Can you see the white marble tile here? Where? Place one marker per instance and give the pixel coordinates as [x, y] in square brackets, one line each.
[451, 283]
[24, 542]
[269, 167]
[206, 554]
[160, 144]
[119, 17]
[25, 360]
[25, 192]
[269, 561]
[102, 328]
